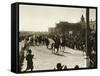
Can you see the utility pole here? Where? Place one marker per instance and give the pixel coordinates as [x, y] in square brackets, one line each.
[86, 29]
[87, 38]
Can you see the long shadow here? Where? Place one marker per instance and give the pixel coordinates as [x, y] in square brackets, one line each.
[68, 52]
[58, 54]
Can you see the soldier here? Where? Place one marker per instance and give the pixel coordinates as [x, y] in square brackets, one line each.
[57, 43]
[47, 42]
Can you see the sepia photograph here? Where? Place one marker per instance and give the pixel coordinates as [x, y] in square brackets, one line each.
[57, 38]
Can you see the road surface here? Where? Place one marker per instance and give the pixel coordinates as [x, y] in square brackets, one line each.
[45, 60]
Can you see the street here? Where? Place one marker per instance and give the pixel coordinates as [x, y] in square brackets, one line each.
[45, 60]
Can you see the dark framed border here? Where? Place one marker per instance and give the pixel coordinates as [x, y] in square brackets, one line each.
[15, 35]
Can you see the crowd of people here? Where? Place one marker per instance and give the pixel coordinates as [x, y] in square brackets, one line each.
[56, 43]
[60, 67]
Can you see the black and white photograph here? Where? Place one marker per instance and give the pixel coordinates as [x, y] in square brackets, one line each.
[57, 38]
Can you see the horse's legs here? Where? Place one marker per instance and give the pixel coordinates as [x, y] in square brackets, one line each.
[63, 48]
[54, 49]
[57, 49]
[60, 47]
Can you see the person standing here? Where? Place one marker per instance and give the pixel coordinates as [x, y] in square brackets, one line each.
[57, 44]
[47, 42]
[29, 59]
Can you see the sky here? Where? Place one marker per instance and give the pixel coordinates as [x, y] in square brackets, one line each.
[40, 18]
